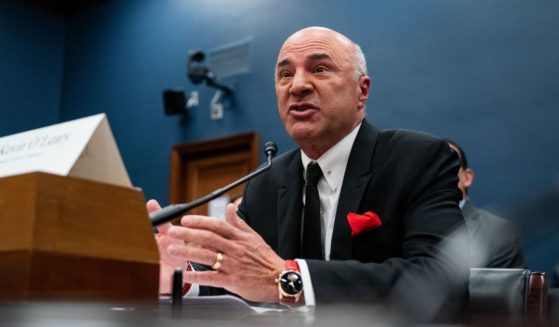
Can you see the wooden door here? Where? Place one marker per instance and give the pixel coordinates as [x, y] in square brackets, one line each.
[200, 168]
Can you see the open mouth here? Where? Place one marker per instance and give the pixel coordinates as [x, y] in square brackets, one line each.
[302, 107]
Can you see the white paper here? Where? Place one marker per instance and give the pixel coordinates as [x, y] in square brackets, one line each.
[229, 301]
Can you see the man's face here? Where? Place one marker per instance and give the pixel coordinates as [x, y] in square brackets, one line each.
[319, 99]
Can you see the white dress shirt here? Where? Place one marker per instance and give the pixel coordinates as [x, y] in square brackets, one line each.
[333, 164]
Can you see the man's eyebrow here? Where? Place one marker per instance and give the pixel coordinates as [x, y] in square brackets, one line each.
[283, 63]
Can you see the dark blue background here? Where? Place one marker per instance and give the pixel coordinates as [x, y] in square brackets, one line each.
[482, 72]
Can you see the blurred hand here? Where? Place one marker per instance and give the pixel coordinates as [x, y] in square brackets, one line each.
[167, 262]
[249, 266]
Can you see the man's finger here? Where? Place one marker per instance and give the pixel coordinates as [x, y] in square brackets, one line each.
[152, 206]
[202, 237]
[164, 228]
[215, 225]
[194, 254]
[233, 219]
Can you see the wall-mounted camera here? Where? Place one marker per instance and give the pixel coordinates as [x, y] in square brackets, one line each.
[175, 101]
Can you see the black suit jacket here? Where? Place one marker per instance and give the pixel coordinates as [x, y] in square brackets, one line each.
[494, 241]
[410, 180]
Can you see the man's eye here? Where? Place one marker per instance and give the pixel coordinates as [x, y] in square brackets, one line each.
[320, 69]
[284, 74]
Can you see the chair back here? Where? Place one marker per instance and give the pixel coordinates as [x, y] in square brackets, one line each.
[508, 294]
[553, 306]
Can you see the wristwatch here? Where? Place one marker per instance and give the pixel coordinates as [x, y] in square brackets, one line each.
[290, 283]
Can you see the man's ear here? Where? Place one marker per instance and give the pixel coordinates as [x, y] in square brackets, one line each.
[364, 86]
[468, 177]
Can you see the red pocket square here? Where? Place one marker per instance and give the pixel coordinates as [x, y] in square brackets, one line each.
[362, 223]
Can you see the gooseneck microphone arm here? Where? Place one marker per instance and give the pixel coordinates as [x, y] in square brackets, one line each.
[171, 211]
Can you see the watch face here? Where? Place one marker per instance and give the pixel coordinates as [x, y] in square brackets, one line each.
[291, 283]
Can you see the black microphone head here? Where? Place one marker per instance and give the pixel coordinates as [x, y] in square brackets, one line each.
[270, 149]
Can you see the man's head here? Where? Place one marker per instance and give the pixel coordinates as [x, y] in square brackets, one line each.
[322, 87]
[465, 174]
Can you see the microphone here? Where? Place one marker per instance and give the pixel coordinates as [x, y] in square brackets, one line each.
[171, 211]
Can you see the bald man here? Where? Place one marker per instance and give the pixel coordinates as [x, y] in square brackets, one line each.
[386, 203]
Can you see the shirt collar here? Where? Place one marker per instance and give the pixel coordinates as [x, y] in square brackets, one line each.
[462, 202]
[334, 161]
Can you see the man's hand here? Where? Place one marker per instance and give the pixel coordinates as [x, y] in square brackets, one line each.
[249, 266]
[167, 262]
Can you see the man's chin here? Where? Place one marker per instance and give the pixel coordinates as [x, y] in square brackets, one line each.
[303, 133]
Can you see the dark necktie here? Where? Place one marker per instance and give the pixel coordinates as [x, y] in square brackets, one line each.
[311, 243]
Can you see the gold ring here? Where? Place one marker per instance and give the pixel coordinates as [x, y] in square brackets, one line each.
[218, 259]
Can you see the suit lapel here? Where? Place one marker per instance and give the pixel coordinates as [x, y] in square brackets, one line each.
[289, 209]
[357, 175]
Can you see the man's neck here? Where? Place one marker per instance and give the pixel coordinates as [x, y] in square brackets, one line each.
[315, 150]
[314, 153]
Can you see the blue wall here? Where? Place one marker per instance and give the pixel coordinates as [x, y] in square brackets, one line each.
[484, 73]
[31, 58]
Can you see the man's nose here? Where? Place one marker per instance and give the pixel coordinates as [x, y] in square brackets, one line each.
[300, 85]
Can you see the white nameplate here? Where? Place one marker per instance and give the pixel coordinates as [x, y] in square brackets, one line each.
[81, 148]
